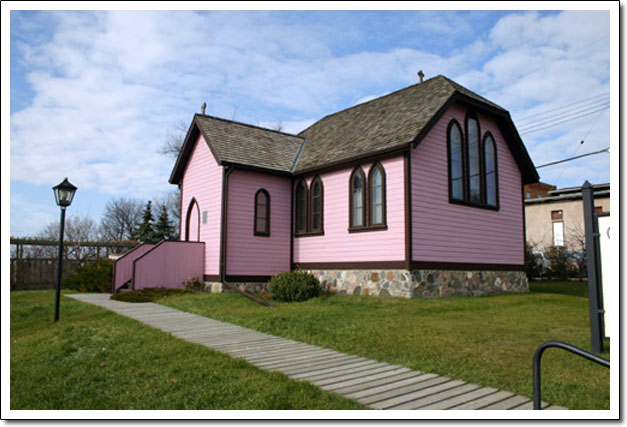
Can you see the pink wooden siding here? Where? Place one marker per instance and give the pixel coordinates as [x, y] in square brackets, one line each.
[445, 232]
[168, 265]
[337, 244]
[248, 254]
[202, 180]
[123, 269]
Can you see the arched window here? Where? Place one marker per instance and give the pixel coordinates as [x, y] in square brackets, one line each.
[472, 165]
[489, 156]
[357, 199]
[376, 195]
[474, 158]
[192, 221]
[300, 207]
[316, 194]
[456, 163]
[262, 213]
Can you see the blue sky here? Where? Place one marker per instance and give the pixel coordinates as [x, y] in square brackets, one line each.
[93, 93]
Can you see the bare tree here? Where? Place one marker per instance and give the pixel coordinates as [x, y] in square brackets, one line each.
[120, 216]
[174, 139]
[278, 126]
[172, 203]
[77, 228]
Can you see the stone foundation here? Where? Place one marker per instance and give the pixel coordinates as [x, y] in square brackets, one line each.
[251, 288]
[421, 283]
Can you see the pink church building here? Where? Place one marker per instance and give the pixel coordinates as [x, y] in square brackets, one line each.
[418, 193]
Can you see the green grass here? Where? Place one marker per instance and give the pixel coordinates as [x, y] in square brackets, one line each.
[485, 340]
[95, 359]
[578, 289]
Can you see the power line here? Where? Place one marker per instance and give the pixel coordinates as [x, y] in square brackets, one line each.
[605, 94]
[607, 149]
[571, 110]
[533, 129]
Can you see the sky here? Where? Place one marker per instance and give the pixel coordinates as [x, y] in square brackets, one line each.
[93, 94]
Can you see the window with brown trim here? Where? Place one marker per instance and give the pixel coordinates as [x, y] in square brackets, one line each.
[557, 215]
[316, 204]
[472, 165]
[598, 209]
[367, 199]
[357, 199]
[376, 196]
[300, 207]
[262, 213]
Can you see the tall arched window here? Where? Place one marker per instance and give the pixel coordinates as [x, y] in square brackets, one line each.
[472, 165]
[192, 221]
[357, 199]
[474, 158]
[376, 195]
[300, 214]
[262, 213]
[456, 163]
[489, 153]
[316, 194]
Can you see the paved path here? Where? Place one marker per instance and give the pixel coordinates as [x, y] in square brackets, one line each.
[375, 384]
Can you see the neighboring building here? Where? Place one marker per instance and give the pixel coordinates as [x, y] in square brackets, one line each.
[418, 193]
[557, 219]
[538, 190]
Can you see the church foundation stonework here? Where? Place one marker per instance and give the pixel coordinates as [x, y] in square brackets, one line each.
[422, 283]
[408, 283]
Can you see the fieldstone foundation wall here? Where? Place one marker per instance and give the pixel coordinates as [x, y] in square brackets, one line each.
[421, 283]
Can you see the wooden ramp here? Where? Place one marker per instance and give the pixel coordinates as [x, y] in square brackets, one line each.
[375, 384]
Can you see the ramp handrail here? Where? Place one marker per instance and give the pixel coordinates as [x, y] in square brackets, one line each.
[564, 346]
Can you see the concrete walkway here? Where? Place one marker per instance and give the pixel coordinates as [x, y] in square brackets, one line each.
[375, 384]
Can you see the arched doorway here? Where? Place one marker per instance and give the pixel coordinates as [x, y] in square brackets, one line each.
[192, 222]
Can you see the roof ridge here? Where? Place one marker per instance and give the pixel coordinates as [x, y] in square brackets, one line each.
[372, 100]
[247, 124]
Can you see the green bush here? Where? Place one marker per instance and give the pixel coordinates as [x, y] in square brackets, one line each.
[95, 276]
[533, 263]
[561, 264]
[293, 286]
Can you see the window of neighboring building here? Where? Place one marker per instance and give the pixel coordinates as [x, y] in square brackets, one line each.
[558, 233]
[598, 209]
[301, 206]
[262, 213]
[472, 163]
[316, 205]
[557, 215]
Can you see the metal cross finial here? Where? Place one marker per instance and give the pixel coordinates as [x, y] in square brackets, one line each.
[421, 75]
[203, 107]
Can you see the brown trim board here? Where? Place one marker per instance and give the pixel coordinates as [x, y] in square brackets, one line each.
[402, 265]
[211, 277]
[248, 279]
[429, 265]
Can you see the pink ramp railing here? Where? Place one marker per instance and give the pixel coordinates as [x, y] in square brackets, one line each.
[168, 265]
[123, 266]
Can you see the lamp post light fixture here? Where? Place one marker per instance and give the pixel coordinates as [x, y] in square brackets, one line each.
[63, 194]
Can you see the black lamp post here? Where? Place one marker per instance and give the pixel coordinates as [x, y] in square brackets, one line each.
[63, 193]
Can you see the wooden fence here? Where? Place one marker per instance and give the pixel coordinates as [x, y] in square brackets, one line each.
[28, 272]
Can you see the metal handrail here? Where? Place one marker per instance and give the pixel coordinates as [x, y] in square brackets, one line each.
[564, 346]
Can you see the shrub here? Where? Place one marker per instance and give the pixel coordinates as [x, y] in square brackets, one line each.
[194, 284]
[561, 264]
[95, 276]
[294, 286]
[533, 263]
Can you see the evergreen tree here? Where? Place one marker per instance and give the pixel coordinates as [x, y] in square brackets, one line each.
[144, 232]
[164, 229]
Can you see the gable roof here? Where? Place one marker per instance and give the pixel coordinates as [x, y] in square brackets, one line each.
[239, 143]
[386, 124]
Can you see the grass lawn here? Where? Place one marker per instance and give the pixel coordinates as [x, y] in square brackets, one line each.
[95, 359]
[485, 340]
